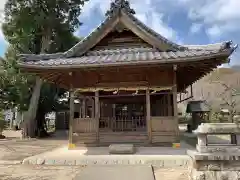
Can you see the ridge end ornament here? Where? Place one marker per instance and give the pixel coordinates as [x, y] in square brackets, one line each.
[117, 5]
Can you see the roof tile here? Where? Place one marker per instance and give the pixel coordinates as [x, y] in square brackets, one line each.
[130, 56]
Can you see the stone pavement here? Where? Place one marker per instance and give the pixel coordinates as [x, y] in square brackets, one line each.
[23, 172]
[157, 156]
[137, 172]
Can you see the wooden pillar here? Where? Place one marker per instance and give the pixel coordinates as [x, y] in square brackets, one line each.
[97, 113]
[80, 110]
[84, 107]
[93, 109]
[71, 117]
[169, 104]
[148, 116]
[114, 110]
[175, 108]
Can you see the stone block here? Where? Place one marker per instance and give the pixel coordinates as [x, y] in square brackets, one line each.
[70, 162]
[217, 128]
[218, 175]
[40, 161]
[238, 139]
[218, 149]
[121, 149]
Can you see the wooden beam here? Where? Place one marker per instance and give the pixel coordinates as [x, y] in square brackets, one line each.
[148, 116]
[97, 113]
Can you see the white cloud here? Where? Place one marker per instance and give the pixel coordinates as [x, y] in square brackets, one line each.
[214, 31]
[195, 28]
[220, 17]
[145, 11]
[90, 6]
[2, 4]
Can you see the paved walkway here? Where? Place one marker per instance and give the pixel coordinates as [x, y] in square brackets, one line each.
[22, 172]
[157, 156]
[136, 172]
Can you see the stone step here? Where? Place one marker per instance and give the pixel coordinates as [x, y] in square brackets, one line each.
[122, 149]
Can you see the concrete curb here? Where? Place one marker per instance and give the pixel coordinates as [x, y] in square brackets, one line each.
[166, 162]
[2, 162]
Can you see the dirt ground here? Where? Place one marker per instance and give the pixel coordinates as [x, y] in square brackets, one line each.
[17, 150]
[14, 149]
[21, 172]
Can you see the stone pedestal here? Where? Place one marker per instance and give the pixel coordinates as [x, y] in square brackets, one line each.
[215, 161]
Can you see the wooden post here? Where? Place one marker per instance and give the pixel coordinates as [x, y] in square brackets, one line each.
[84, 107]
[169, 104]
[97, 113]
[175, 108]
[114, 110]
[71, 117]
[80, 111]
[148, 116]
[93, 109]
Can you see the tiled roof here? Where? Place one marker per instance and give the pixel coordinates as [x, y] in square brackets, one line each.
[208, 47]
[124, 56]
[127, 56]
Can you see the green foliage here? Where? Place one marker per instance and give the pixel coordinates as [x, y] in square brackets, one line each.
[2, 122]
[27, 24]
[15, 86]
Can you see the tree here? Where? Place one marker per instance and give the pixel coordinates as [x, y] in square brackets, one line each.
[40, 26]
[229, 96]
[15, 87]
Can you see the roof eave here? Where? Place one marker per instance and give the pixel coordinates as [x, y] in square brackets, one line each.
[224, 54]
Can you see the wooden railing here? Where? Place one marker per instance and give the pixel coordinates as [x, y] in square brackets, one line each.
[164, 129]
[84, 125]
[163, 124]
[122, 124]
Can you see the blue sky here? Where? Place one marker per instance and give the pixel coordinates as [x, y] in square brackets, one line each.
[182, 21]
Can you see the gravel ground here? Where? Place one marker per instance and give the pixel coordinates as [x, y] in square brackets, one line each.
[21, 172]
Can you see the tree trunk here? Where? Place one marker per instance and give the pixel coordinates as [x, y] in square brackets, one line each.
[41, 124]
[29, 122]
[29, 126]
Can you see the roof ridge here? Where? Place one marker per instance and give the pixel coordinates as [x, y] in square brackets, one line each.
[135, 19]
[122, 50]
[220, 45]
